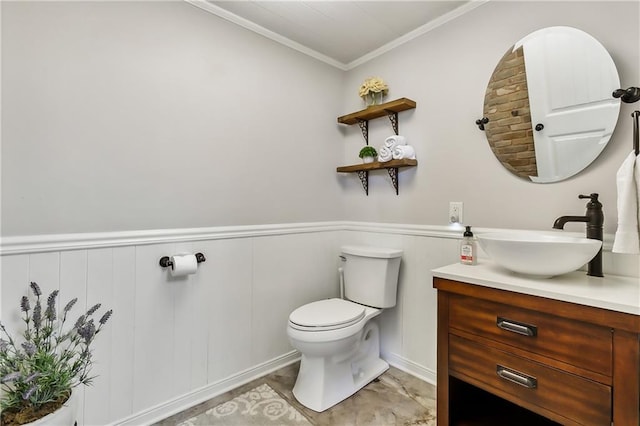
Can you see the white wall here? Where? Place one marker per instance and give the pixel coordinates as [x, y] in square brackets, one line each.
[172, 340]
[172, 343]
[408, 331]
[446, 72]
[153, 115]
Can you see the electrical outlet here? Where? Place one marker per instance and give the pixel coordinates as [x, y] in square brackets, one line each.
[455, 212]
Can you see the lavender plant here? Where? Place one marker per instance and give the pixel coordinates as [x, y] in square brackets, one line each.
[50, 359]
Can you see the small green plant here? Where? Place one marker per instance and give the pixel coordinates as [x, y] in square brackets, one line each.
[38, 371]
[368, 151]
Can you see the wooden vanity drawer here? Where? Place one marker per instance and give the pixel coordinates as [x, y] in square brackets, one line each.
[533, 385]
[577, 343]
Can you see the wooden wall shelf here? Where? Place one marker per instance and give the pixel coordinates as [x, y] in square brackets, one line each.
[377, 111]
[391, 166]
[391, 110]
[376, 165]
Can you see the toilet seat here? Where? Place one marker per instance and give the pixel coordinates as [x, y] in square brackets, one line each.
[328, 314]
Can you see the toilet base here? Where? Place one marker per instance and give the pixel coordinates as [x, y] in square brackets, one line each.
[325, 381]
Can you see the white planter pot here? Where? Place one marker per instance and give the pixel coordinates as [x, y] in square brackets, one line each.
[65, 416]
[367, 159]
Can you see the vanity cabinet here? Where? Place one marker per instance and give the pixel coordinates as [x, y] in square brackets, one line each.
[511, 358]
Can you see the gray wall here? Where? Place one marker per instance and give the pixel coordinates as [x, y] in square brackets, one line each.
[446, 72]
[152, 115]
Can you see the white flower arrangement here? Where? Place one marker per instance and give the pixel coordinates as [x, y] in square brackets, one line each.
[373, 85]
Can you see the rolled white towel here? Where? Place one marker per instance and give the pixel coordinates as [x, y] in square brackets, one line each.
[395, 140]
[384, 154]
[404, 151]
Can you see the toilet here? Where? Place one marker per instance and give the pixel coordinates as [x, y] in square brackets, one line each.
[338, 338]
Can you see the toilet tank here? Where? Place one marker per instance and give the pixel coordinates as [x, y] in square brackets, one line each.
[371, 275]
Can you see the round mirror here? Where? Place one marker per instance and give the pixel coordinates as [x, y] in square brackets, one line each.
[549, 105]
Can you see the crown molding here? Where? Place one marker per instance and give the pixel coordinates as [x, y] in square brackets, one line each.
[251, 26]
[447, 17]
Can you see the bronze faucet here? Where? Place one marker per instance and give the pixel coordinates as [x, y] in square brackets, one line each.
[594, 218]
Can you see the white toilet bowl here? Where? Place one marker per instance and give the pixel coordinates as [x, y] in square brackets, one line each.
[340, 346]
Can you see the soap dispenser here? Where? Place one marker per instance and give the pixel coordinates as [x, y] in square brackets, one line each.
[468, 249]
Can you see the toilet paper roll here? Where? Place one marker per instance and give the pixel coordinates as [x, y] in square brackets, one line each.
[183, 265]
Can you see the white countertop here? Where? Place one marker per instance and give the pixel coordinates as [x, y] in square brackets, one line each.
[613, 292]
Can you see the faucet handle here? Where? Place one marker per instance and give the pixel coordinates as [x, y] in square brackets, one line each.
[593, 196]
[594, 203]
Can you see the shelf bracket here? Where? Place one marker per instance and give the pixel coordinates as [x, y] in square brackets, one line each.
[393, 117]
[393, 174]
[364, 179]
[364, 128]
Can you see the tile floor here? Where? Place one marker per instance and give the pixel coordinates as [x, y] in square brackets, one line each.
[395, 398]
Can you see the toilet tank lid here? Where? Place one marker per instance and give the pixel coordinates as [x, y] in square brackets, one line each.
[368, 251]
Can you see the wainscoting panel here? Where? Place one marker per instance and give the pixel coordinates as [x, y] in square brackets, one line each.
[409, 329]
[122, 328]
[153, 370]
[171, 337]
[290, 270]
[173, 342]
[15, 280]
[419, 298]
[227, 281]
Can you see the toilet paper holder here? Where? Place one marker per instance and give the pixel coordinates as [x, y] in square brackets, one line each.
[165, 261]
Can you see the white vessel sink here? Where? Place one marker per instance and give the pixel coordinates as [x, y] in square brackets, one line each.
[541, 254]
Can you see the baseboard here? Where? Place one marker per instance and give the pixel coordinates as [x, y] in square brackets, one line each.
[411, 367]
[183, 402]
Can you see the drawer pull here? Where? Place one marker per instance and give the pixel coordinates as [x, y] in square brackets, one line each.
[516, 377]
[517, 327]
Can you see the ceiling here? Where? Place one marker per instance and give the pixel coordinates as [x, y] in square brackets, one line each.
[341, 33]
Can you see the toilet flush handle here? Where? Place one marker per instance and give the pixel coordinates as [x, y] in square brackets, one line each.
[341, 273]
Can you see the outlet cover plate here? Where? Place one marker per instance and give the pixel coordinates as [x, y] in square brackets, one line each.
[455, 212]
